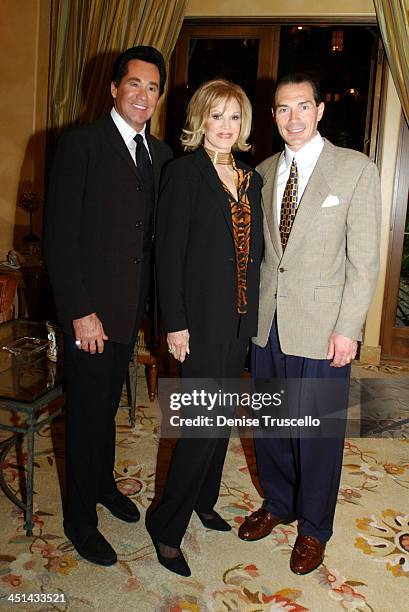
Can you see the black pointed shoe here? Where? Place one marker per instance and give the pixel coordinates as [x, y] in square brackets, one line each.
[177, 565]
[216, 522]
[91, 545]
[121, 506]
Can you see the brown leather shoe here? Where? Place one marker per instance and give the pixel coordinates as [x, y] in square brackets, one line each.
[307, 555]
[259, 524]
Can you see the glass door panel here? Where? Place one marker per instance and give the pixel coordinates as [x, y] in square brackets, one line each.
[239, 65]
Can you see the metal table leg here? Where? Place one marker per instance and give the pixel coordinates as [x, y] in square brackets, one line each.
[31, 429]
[5, 448]
[32, 424]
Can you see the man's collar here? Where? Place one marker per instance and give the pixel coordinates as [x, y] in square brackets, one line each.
[308, 154]
[127, 132]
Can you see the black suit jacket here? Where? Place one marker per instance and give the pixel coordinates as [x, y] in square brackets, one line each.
[95, 226]
[195, 253]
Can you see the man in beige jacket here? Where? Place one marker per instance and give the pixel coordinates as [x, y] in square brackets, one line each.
[321, 228]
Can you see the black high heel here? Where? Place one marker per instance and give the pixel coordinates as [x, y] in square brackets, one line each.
[177, 565]
[216, 522]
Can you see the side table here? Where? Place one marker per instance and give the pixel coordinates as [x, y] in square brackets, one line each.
[27, 386]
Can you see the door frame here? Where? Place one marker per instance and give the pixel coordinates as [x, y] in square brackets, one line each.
[395, 340]
[268, 31]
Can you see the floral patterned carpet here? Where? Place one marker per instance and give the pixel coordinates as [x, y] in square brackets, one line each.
[366, 566]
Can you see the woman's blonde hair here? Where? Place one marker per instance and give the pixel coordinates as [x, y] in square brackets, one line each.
[203, 100]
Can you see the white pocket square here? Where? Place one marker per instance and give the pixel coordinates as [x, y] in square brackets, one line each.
[330, 200]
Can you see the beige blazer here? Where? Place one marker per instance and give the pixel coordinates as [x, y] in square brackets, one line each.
[326, 277]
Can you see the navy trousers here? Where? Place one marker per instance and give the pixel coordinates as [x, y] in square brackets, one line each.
[300, 473]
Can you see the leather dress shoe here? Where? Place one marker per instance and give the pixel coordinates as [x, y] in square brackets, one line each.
[91, 545]
[121, 506]
[215, 522]
[260, 524]
[307, 555]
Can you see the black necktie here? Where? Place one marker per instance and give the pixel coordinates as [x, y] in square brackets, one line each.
[143, 163]
[144, 167]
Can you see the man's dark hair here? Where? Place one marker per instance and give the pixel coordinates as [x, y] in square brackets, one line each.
[295, 79]
[145, 54]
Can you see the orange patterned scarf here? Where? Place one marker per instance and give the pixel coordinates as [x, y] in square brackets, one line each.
[241, 218]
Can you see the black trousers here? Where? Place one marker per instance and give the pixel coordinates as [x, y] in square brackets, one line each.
[195, 471]
[93, 391]
[300, 474]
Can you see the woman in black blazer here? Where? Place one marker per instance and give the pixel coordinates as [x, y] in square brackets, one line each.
[208, 251]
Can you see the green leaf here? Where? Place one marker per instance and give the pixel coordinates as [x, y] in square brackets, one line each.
[235, 510]
[23, 540]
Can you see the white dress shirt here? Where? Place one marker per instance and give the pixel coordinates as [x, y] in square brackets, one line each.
[305, 158]
[128, 133]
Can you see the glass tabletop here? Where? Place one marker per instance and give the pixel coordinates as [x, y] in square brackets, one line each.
[26, 374]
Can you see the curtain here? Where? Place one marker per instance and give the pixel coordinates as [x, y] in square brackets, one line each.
[87, 36]
[393, 19]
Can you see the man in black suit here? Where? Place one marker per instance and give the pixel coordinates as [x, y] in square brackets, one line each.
[99, 230]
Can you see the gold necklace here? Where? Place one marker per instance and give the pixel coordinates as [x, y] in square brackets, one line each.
[225, 159]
